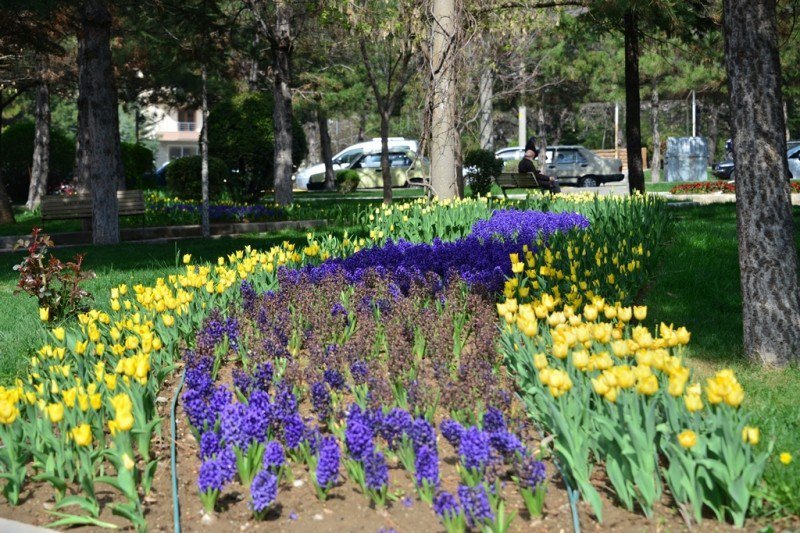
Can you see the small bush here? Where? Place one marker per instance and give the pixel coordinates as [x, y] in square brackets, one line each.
[183, 178]
[138, 163]
[347, 181]
[481, 167]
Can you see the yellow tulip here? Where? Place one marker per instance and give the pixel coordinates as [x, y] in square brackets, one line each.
[640, 312]
[44, 314]
[540, 361]
[751, 435]
[82, 435]
[127, 462]
[693, 402]
[55, 412]
[58, 333]
[187, 258]
[687, 438]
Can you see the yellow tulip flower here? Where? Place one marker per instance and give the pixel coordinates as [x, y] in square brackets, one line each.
[82, 435]
[687, 438]
[44, 314]
[751, 435]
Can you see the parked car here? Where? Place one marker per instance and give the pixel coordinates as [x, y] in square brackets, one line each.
[572, 165]
[347, 156]
[726, 170]
[406, 169]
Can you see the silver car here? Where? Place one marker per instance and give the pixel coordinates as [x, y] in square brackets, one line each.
[576, 165]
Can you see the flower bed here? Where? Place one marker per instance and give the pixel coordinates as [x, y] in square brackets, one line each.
[177, 211]
[708, 187]
[347, 381]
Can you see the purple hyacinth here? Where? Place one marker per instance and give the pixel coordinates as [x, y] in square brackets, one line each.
[293, 431]
[376, 472]
[358, 439]
[474, 449]
[452, 431]
[395, 424]
[321, 401]
[249, 296]
[216, 473]
[423, 434]
[313, 438]
[262, 377]
[285, 401]
[334, 379]
[493, 420]
[209, 445]
[531, 473]
[232, 330]
[427, 467]
[242, 381]
[197, 410]
[506, 443]
[475, 502]
[263, 491]
[328, 464]
[359, 371]
[274, 456]
[446, 506]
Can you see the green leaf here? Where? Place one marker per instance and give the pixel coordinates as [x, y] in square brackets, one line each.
[69, 520]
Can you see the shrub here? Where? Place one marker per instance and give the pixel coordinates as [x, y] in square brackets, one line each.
[347, 181]
[481, 167]
[16, 145]
[183, 177]
[138, 163]
[241, 133]
[56, 285]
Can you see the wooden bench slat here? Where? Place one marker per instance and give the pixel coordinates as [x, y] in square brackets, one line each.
[66, 207]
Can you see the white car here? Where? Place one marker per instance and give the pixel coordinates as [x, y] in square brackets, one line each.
[346, 157]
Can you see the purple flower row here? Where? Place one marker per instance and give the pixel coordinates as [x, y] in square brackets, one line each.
[480, 259]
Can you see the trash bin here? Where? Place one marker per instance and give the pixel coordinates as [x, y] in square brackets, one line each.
[686, 159]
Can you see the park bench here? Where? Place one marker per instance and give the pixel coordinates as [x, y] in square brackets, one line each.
[515, 180]
[80, 206]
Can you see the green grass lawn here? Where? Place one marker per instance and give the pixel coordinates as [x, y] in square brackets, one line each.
[698, 286]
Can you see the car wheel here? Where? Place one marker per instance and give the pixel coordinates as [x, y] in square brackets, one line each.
[587, 181]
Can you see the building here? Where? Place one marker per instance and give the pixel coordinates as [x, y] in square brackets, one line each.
[177, 131]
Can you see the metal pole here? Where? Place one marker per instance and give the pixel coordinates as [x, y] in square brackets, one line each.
[694, 115]
[523, 121]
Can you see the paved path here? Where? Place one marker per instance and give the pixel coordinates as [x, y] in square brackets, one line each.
[10, 526]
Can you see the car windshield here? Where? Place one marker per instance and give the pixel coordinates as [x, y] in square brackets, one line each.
[348, 157]
[374, 161]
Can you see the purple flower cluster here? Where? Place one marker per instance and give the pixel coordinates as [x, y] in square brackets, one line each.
[427, 467]
[480, 259]
[321, 401]
[217, 472]
[475, 449]
[263, 491]
[217, 212]
[203, 401]
[531, 473]
[274, 457]
[475, 503]
[328, 463]
[452, 431]
[358, 434]
[376, 471]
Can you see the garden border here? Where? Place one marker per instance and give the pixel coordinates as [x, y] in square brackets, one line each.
[169, 233]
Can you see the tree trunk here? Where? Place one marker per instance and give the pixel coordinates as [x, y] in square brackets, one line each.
[282, 114]
[327, 151]
[767, 246]
[485, 94]
[655, 164]
[713, 132]
[633, 120]
[543, 140]
[41, 147]
[205, 221]
[443, 132]
[6, 209]
[786, 120]
[97, 103]
[386, 171]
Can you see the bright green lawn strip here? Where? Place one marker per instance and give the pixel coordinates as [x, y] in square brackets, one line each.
[698, 286]
[129, 263]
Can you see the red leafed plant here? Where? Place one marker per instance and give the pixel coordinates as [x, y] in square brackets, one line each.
[57, 285]
[707, 187]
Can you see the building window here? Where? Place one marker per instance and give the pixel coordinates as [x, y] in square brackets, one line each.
[186, 120]
[176, 152]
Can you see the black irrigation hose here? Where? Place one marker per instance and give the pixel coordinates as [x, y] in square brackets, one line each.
[572, 494]
[176, 505]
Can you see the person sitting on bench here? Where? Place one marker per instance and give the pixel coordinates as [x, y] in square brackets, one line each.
[527, 166]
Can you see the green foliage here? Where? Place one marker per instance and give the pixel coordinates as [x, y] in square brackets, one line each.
[484, 167]
[241, 133]
[16, 145]
[347, 181]
[183, 177]
[138, 162]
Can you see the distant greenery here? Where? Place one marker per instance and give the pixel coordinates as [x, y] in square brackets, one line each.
[183, 178]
